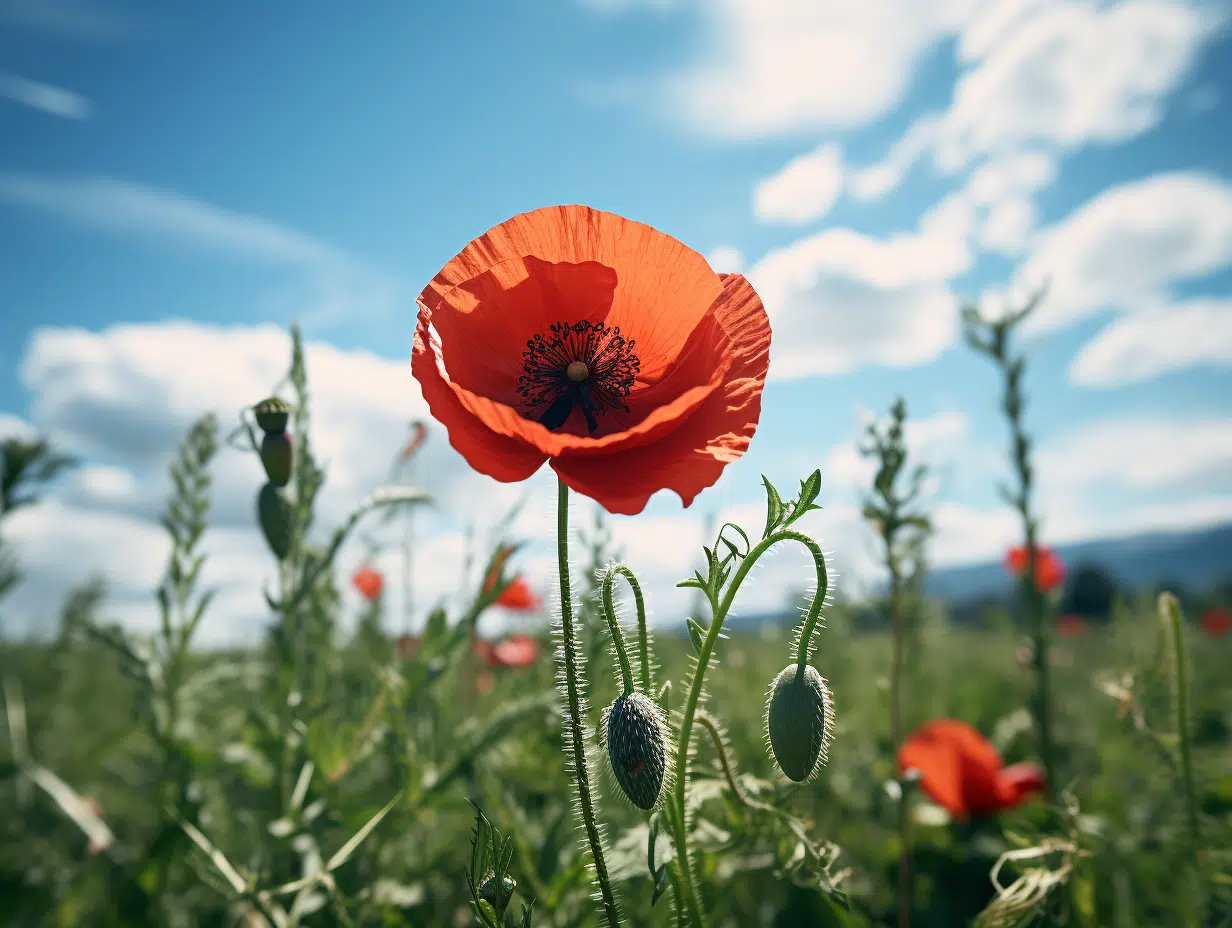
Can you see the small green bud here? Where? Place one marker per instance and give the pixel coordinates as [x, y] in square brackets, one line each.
[272, 414]
[799, 720]
[275, 514]
[277, 457]
[637, 747]
[497, 893]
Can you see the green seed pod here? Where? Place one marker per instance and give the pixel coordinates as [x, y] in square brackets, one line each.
[272, 414]
[497, 893]
[637, 747]
[276, 457]
[275, 514]
[799, 720]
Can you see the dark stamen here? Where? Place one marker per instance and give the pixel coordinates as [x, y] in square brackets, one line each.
[586, 364]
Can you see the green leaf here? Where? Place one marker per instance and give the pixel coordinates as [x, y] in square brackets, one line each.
[660, 884]
[774, 507]
[696, 634]
[809, 488]
[344, 853]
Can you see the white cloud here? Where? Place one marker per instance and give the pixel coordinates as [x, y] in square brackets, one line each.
[1145, 345]
[994, 209]
[778, 66]
[342, 286]
[875, 181]
[840, 300]
[1138, 454]
[726, 260]
[1125, 248]
[1069, 74]
[1055, 76]
[804, 190]
[55, 101]
[13, 427]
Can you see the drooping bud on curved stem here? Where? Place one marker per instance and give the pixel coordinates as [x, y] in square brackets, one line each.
[618, 643]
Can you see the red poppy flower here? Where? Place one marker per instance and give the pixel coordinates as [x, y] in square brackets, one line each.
[961, 770]
[516, 651]
[519, 597]
[1071, 626]
[369, 582]
[1049, 568]
[599, 344]
[1216, 622]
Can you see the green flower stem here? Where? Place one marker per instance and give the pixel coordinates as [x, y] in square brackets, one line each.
[575, 724]
[720, 611]
[618, 639]
[1170, 613]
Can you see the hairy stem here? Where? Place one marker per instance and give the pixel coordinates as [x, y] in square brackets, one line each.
[574, 724]
[896, 737]
[720, 611]
[618, 638]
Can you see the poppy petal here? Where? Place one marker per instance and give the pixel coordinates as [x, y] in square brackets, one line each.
[718, 431]
[500, 457]
[655, 270]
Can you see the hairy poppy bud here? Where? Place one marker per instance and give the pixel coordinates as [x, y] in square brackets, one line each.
[799, 719]
[276, 457]
[272, 414]
[275, 515]
[637, 747]
[497, 893]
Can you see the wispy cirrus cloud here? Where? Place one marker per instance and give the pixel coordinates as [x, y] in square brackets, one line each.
[47, 98]
[342, 284]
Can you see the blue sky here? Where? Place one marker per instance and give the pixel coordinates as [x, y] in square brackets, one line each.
[178, 179]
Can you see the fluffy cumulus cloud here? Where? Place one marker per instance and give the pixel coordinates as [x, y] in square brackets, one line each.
[1068, 74]
[804, 190]
[839, 300]
[1052, 75]
[123, 398]
[779, 66]
[1148, 344]
[726, 260]
[1127, 247]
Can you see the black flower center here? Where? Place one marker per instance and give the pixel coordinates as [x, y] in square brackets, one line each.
[586, 364]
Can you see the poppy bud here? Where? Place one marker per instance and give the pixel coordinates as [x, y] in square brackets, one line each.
[497, 893]
[799, 720]
[637, 747]
[275, 514]
[272, 414]
[276, 457]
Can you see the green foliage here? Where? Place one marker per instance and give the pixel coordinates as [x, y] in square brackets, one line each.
[323, 779]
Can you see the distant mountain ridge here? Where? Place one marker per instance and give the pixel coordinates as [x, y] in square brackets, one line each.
[1196, 560]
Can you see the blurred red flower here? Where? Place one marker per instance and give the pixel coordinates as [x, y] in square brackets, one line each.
[962, 772]
[1071, 626]
[1049, 568]
[516, 651]
[369, 582]
[1216, 622]
[519, 597]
